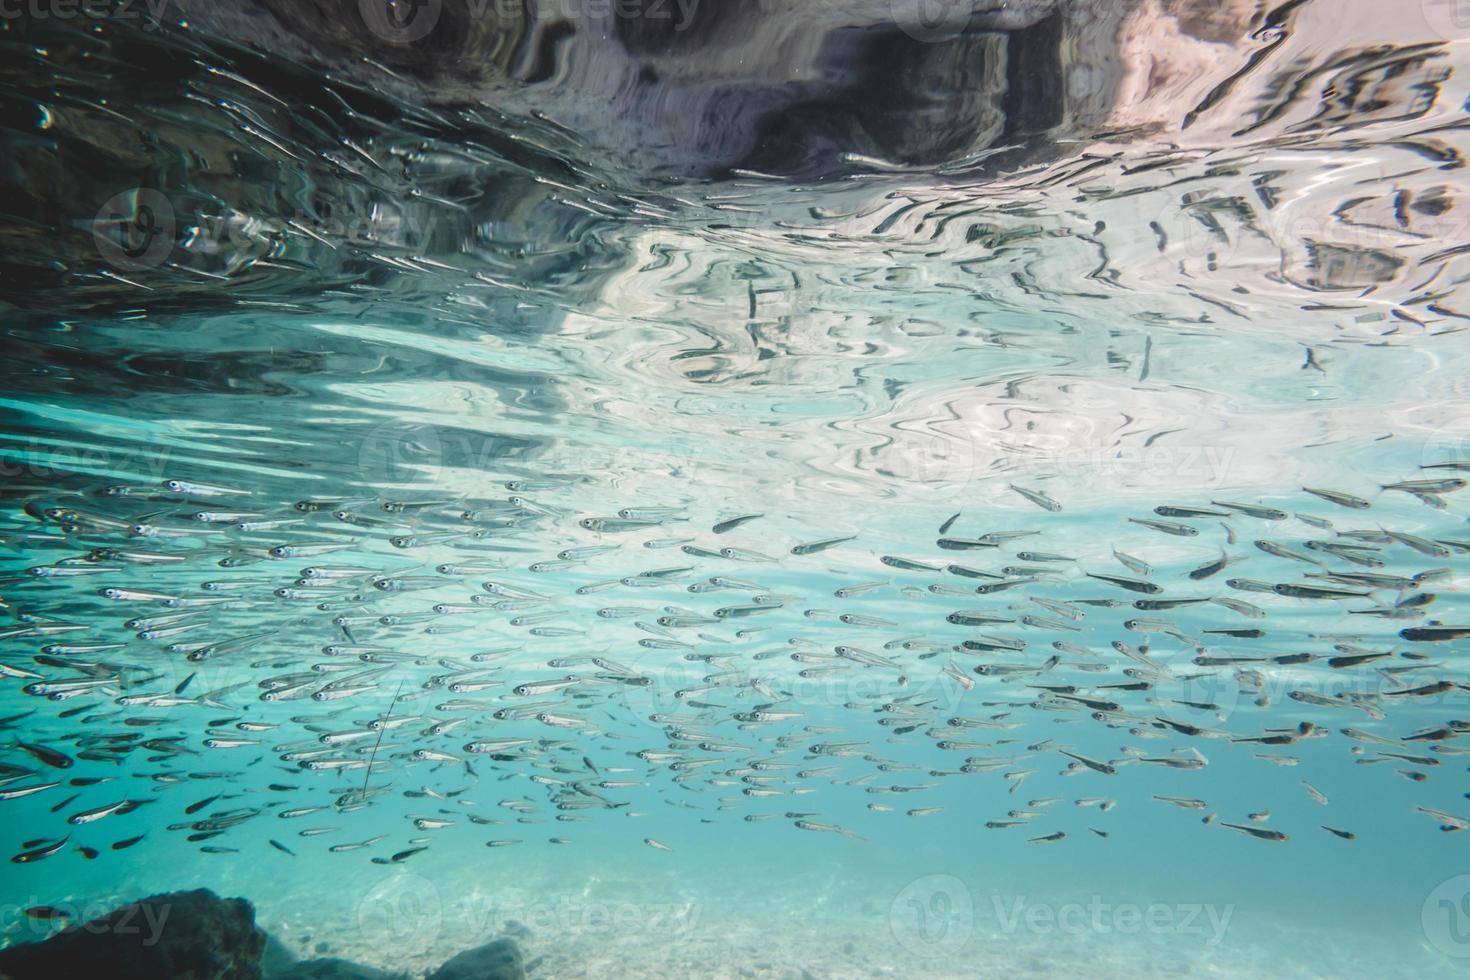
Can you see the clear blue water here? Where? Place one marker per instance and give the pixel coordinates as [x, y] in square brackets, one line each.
[477, 336]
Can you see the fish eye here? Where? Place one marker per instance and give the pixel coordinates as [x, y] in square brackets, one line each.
[173, 484]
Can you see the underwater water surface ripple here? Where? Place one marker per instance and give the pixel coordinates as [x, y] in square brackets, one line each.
[433, 522]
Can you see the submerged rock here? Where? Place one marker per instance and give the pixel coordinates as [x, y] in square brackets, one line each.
[498, 960]
[178, 936]
[332, 968]
[277, 958]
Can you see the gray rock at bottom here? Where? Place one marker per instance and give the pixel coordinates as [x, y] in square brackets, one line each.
[497, 960]
[332, 968]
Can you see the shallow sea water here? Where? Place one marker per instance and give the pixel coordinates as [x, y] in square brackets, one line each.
[432, 345]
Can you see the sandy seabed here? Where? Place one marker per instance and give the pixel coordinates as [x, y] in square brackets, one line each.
[611, 928]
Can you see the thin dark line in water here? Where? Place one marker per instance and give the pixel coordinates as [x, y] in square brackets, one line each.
[371, 758]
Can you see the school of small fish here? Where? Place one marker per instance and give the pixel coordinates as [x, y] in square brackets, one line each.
[195, 631]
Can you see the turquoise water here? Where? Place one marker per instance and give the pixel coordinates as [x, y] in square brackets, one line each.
[425, 348]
